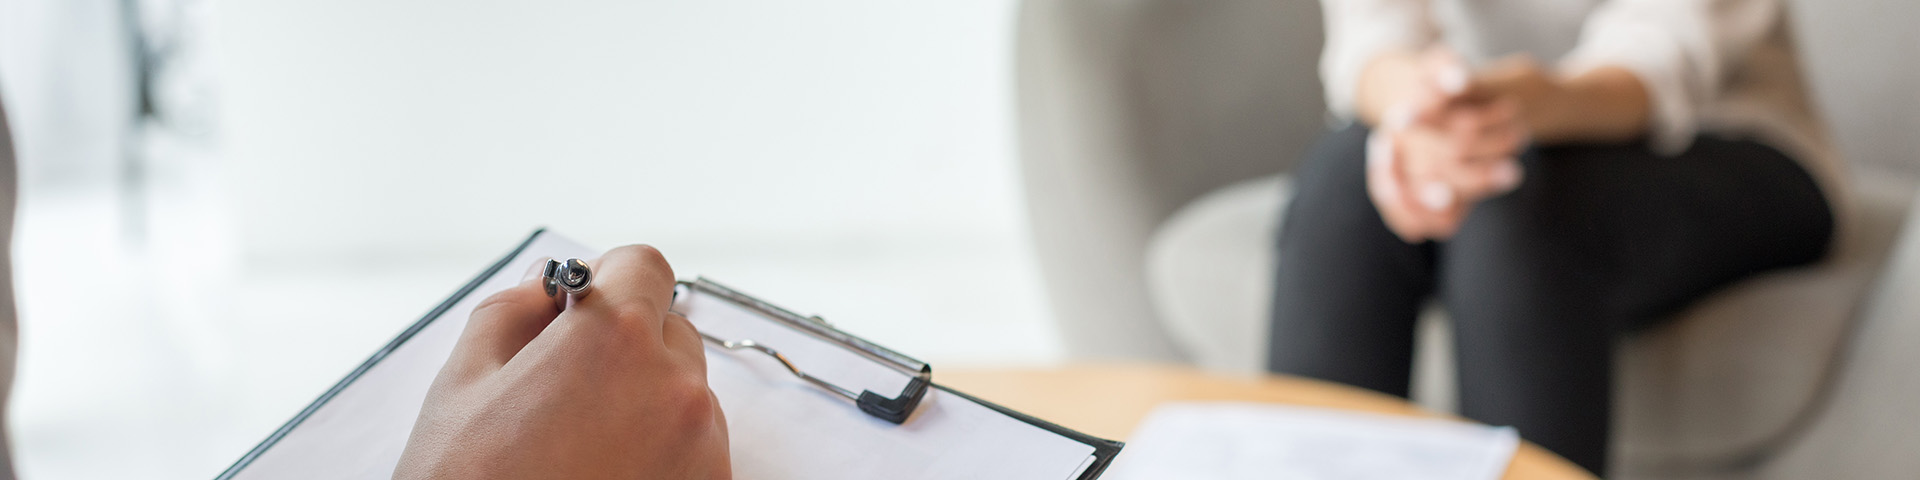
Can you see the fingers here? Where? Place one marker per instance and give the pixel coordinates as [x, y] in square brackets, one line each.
[1473, 180]
[1473, 132]
[1434, 156]
[720, 429]
[1414, 209]
[1427, 155]
[1490, 178]
[1486, 130]
[500, 326]
[1387, 188]
[719, 415]
[633, 283]
[684, 343]
[1466, 157]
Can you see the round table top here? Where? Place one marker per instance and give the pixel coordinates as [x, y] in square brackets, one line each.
[1108, 401]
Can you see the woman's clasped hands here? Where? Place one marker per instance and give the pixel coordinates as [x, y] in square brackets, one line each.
[1449, 142]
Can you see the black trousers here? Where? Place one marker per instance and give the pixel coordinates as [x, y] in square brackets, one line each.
[1598, 241]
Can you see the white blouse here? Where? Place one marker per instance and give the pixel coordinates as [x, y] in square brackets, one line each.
[1715, 66]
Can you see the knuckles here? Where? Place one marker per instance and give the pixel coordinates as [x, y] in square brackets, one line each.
[687, 397]
[504, 302]
[644, 258]
[634, 316]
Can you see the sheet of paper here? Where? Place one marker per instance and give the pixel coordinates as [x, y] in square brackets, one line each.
[1233, 441]
[779, 427]
[360, 432]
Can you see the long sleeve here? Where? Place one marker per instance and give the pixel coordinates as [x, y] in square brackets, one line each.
[1682, 51]
[1360, 30]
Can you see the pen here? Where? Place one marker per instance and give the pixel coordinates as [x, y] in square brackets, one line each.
[571, 277]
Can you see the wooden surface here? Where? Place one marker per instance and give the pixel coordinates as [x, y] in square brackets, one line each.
[1108, 401]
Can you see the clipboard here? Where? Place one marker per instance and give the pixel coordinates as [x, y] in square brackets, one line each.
[895, 408]
[801, 396]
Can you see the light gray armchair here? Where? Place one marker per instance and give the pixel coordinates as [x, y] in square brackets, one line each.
[1155, 135]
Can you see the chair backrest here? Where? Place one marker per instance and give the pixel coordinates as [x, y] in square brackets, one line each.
[1129, 109]
[1211, 92]
[1859, 57]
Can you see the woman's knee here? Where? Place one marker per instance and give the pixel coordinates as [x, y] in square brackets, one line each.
[1556, 200]
[1540, 230]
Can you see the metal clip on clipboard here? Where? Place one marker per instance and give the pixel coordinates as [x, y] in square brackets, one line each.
[894, 409]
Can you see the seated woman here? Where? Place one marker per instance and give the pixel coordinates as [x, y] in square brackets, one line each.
[1669, 151]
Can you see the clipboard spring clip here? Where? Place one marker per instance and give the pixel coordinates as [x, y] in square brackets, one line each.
[893, 409]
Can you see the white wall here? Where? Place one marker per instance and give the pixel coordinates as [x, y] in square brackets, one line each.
[847, 158]
[65, 74]
[834, 153]
[447, 128]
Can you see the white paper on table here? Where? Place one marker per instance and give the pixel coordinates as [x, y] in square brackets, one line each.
[779, 427]
[1232, 441]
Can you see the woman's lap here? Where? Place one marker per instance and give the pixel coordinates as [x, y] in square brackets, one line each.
[1597, 240]
[1657, 232]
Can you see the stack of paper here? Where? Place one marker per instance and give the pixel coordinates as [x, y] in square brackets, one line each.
[1230, 441]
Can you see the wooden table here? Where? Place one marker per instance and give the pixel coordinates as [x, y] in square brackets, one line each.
[1110, 400]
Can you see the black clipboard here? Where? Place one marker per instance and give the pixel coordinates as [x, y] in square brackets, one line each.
[888, 408]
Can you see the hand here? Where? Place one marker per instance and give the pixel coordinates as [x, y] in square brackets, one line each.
[1399, 204]
[614, 387]
[1462, 151]
[1437, 153]
[1540, 95]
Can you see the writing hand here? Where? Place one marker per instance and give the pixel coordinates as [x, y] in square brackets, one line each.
[614, 387]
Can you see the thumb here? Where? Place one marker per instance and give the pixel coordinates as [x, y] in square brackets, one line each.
[501, 325]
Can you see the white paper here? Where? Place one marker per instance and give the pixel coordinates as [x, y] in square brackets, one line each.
[1232, 441]
[361, 431]
[779, 426]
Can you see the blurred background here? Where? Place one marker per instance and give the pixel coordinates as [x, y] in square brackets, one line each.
[227, 205]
